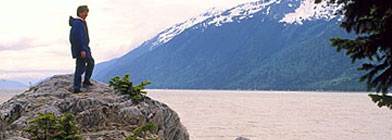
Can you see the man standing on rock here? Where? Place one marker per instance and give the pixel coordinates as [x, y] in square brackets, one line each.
[79, 39]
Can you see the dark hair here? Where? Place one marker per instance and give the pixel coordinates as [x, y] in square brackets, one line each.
[81, 9]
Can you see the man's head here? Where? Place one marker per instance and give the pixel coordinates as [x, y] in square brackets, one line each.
[82, 11]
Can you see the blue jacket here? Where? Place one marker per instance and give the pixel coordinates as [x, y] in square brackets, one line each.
[79, 38]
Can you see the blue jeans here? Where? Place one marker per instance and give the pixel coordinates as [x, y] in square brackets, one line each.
[82, 65]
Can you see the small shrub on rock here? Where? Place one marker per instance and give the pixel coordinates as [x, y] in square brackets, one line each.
[142, 132]
[125, 86]
[49, 127]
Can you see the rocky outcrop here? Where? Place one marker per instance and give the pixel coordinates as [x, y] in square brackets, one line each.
[100, 112]
[242, 138]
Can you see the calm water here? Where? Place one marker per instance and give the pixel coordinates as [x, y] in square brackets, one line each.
[274, 115]
[6, 94]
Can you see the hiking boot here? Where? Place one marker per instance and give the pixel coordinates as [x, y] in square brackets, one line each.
[87, 83]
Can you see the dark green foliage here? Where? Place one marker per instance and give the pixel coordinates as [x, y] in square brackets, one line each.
[125, 86]
[382, 100]
[142, 132]
[42, 128]
[67, 127]
[49, 127]
[371, 20]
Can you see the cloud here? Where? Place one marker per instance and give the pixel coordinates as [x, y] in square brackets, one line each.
[17, 45]
[35, 33]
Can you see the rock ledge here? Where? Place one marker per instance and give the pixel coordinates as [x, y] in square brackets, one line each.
[99, 111]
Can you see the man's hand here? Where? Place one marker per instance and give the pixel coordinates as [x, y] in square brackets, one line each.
[83, 54]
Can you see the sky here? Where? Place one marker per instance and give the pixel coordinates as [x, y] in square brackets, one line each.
[34, 35]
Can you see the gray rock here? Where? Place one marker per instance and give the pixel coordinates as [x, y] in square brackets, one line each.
[100, 112]
[242, 138]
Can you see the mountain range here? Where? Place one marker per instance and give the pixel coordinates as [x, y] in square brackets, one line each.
[11, 84]
[263, 45]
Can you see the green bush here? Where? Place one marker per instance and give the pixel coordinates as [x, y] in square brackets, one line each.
[125, 86]
[382, 100]
[142, 132]
[49, 127]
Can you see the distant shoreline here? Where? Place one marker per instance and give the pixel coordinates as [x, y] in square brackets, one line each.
[152, 89]
[271, 91]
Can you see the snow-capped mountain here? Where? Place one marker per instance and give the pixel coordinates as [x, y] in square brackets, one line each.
[172, 31]
[274, 44]
[294, 12]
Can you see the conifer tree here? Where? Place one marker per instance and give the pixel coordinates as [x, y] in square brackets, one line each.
[371, 21]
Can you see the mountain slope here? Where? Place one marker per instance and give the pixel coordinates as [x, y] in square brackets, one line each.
[257, 45]
[11, 84]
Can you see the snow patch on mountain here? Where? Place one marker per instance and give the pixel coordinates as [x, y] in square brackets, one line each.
[243, 11]
[215, 17]
[308, 10]
[173, 31]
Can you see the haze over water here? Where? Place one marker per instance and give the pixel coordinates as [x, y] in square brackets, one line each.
[273, 115]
